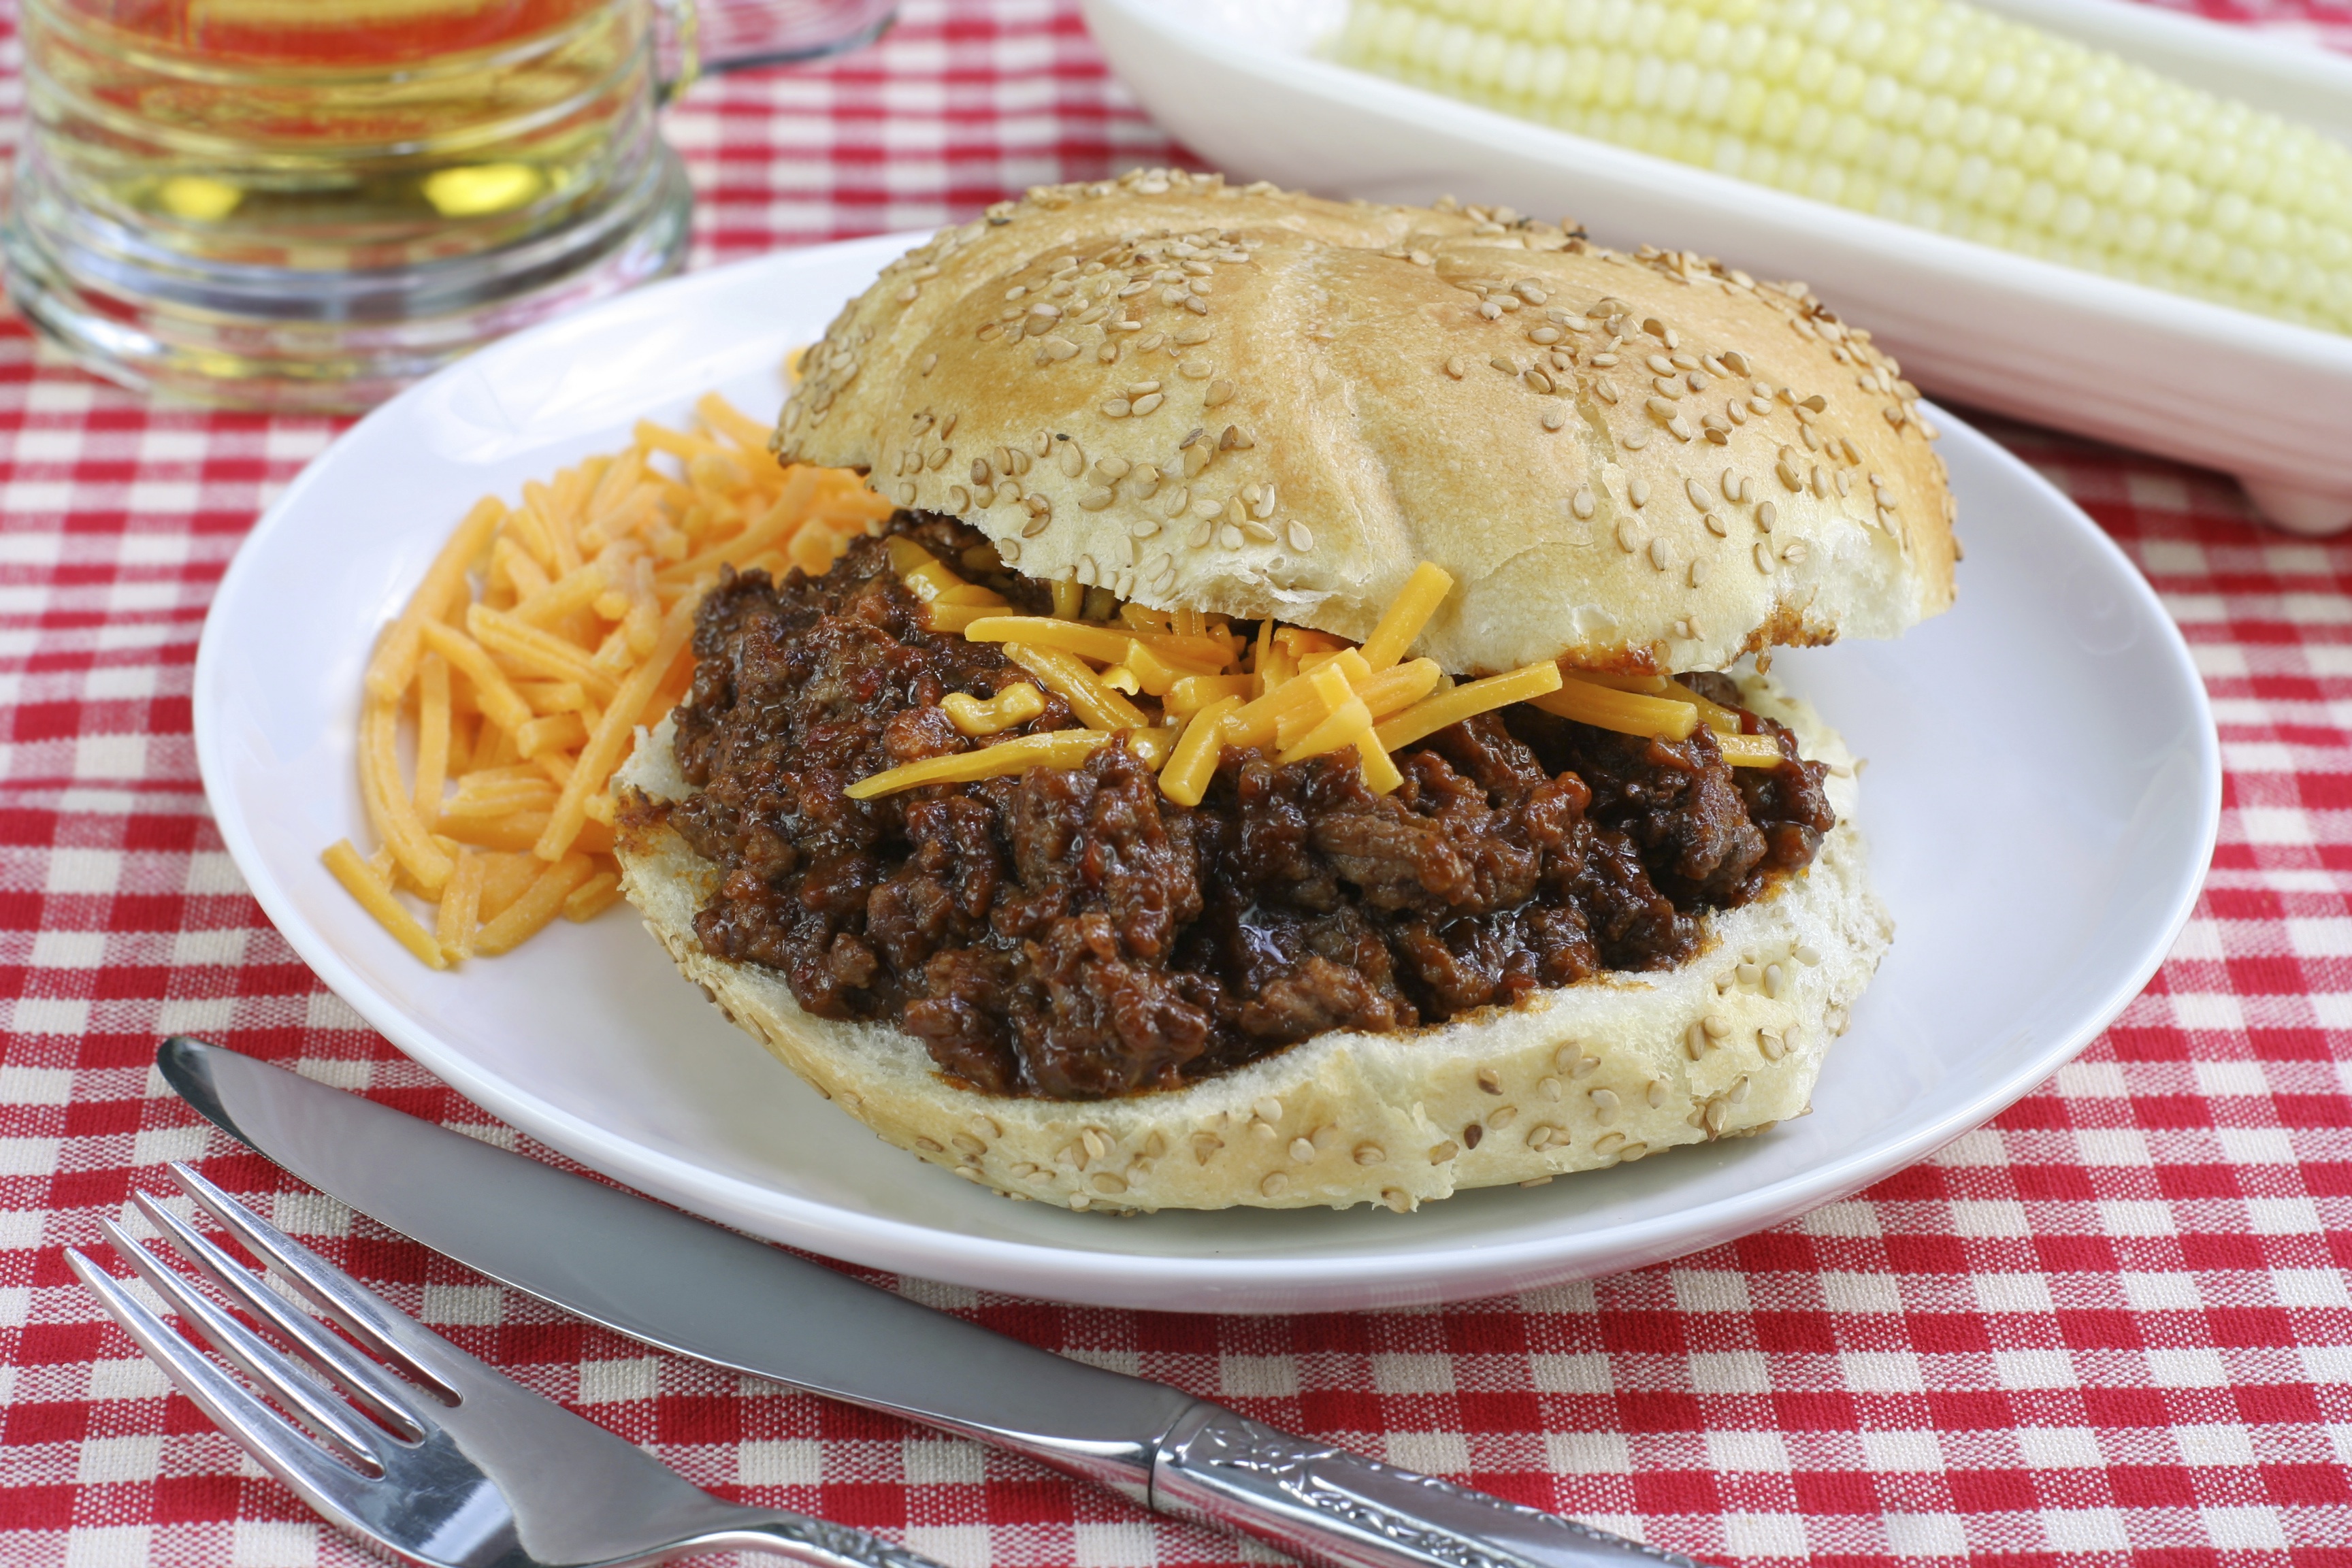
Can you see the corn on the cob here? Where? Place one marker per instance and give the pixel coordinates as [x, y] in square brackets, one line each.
[1930, 112]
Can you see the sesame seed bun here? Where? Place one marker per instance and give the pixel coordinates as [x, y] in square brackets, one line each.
[1587, 1075]
[1304, 399]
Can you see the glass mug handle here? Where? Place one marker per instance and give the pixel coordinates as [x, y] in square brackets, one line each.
[706, 37]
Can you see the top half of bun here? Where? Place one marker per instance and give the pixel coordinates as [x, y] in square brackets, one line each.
[1635, 462]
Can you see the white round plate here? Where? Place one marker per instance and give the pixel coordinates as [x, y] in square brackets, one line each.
[2040, 801]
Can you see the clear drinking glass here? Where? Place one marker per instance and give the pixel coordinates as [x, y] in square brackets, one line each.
[308, 204]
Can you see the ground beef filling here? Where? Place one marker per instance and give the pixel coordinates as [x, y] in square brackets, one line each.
[1079, 935]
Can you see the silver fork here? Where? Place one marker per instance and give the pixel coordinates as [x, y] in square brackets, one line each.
[450, 1463]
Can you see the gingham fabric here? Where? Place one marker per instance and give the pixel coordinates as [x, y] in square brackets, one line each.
[2111, 1328]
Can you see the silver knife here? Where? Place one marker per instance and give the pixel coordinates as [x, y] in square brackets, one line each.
[684, 1285]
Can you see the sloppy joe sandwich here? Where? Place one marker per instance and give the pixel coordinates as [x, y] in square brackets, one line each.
[1303, 736]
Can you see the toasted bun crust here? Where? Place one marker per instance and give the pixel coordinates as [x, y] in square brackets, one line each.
[1358, 398]
[1589, 1075]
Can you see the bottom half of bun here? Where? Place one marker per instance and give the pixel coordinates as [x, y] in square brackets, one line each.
[1612, 1069]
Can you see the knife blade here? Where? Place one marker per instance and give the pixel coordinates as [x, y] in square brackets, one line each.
[684, 1285]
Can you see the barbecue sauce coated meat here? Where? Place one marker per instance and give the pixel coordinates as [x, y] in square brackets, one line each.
[1079, 935]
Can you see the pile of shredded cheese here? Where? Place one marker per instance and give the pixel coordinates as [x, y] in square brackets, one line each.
[1180, 686]
[542, 636]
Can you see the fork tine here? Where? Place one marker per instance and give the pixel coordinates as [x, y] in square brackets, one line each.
[359, 1311]
[245, 1349]
[327, 1485]
[361, 1378]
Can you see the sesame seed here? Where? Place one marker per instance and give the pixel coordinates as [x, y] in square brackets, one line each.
[1037, 524]
[1095, 501]
[1148, 402]
[1626, 540]
[1788, 476]
[1490, 310]
[1202, 532]
[906, 493]
[1267, 1109]
[1716, 525]
[1698, 570]
[1767, 517]
[1553, 418]
[1538, 380]
[1489, 1080]
[1662, 409]
[1606, 390]
[1660, 366]
[1275, 1185]
[1504, 364]
[1229, 537]
[930, 364]
[1301, 539]
[1820, 483]
[1218, 393]
[1369, 1154]
[1763, 558]
[1117, 409]
[1009, 550]
[1302, 1150]
[1698, 493]
[1420, 259]
[1666, 386]
[1545, 335]
[959, 498]
[1580, 503]
[1795, 553]
[1637, 490]
[1603, 361]
[1145, 345]
[1071, 460]
[1680, 426]
[1605, 1105]
[1660, 556]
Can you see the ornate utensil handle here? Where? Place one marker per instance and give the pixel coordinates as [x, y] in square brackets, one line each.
[1325, 1505]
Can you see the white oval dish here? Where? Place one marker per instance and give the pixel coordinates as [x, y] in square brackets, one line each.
[1238, 82]
[2042, 801]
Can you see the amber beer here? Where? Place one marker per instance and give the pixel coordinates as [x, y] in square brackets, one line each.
[310, 201]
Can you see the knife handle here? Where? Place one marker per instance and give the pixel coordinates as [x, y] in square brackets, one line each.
[1325, 1505]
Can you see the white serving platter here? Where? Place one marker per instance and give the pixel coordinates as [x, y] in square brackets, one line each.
[2040, 803]
[1240, 82]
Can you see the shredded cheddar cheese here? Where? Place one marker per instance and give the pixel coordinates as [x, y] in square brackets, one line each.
[1293, 691]
[1749, 750]
[1067, 676]
[1017, 704]
[1056, 749]
[542, 636]
[1629, 712]
[1435, 713]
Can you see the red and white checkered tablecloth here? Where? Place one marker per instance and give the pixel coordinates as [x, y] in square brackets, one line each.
[2112, 1327]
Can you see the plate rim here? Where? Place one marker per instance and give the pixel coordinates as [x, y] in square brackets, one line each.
[1080, 1274]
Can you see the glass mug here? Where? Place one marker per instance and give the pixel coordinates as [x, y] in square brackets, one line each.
[308, 204]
